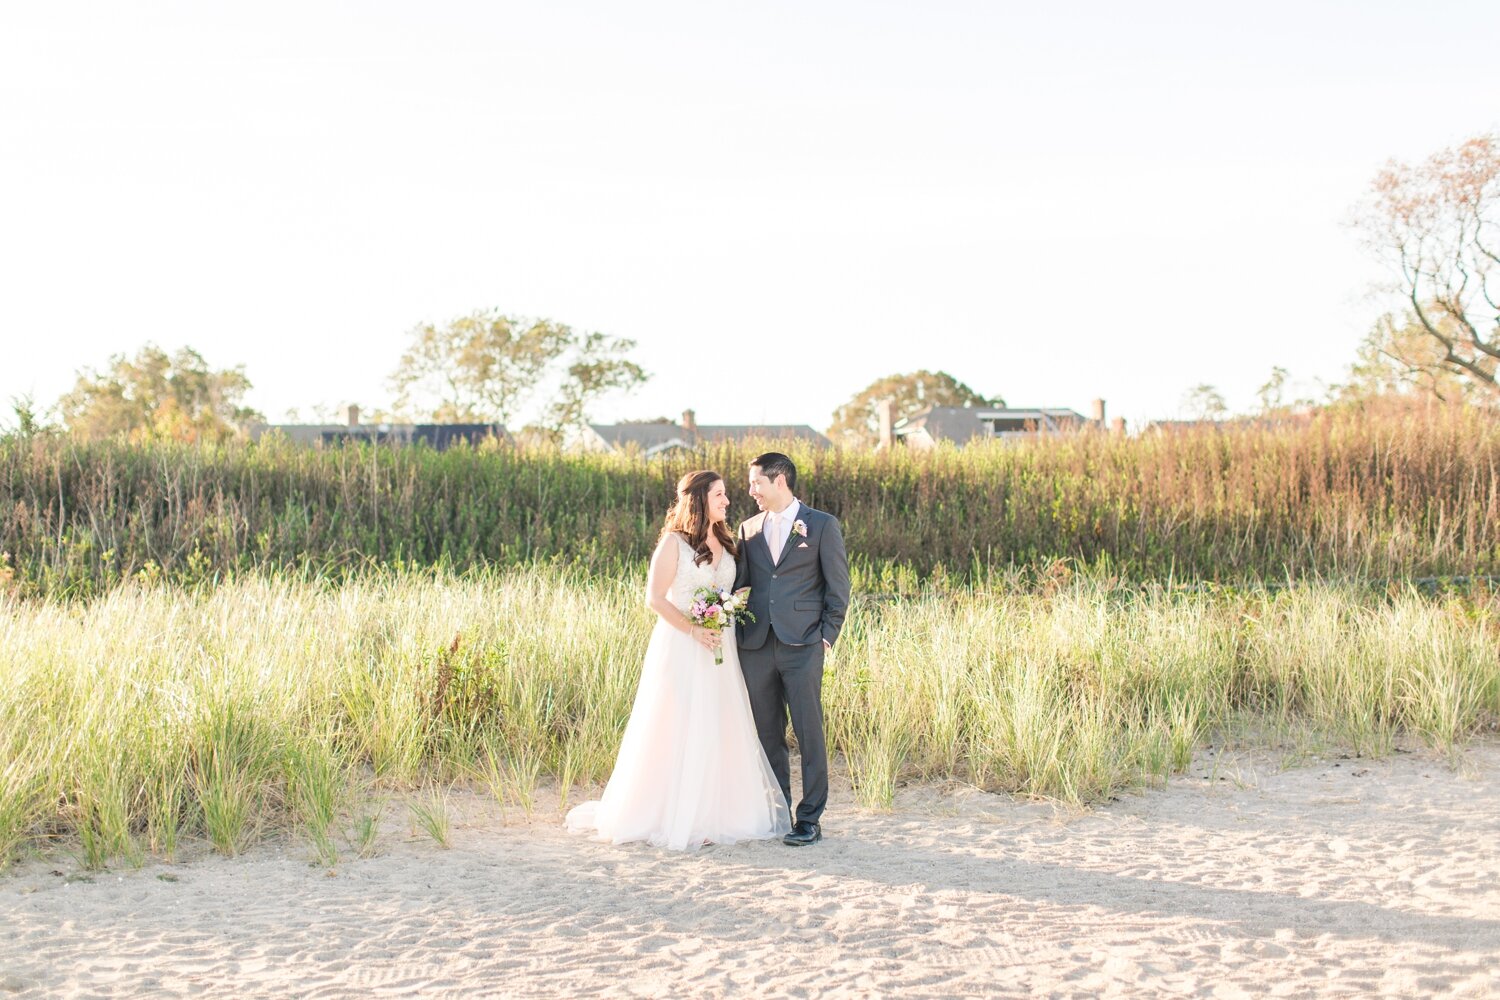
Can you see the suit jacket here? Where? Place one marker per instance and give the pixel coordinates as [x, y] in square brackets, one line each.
[805, 596]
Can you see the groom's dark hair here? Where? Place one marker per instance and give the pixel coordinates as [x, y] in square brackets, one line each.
[773, 464]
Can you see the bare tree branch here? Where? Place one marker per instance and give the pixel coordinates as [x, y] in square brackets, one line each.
[1431, 220]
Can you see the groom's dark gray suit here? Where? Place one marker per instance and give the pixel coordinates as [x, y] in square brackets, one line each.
[799, 601]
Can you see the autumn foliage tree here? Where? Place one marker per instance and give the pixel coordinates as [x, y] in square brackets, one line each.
[1437, 224]
[478, 368]
[598, 366]
[158, 395]
[1398, 357]
[485, 367]
[857, 422]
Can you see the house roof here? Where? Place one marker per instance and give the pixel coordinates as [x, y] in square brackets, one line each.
[1296, 417]
[744, 432]
[947, 423]
[643, 436]
[1171, 426]
[964, 423]
[656, 437]
[437, 435]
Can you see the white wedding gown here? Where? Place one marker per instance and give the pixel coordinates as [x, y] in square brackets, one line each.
[691, 769]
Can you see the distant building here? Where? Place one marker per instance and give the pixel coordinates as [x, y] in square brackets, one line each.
[1299, 416]
[439, 436]
[654, 439]
[1180, 426]
[963, 425]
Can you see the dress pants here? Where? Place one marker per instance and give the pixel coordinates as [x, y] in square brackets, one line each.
[783, 679]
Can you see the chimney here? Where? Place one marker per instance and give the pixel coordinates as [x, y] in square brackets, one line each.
[887, 433]
[690, 422]
[1117, 426]
[1098, 414]
[353, 412]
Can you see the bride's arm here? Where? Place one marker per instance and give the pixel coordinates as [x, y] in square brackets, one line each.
[658, 581]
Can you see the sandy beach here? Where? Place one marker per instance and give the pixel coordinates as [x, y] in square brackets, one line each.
[1336, 877]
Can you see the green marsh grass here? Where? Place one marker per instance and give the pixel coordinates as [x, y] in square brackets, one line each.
[364, 830]
[1376, 491]
[21, 803]
[317, 787]
[157, 714]
[429, 812]
[524, 772]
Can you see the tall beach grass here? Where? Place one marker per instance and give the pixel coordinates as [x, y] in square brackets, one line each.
[1347, 493]
[271, 705]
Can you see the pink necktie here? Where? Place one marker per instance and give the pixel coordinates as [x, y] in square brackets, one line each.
[776, 542]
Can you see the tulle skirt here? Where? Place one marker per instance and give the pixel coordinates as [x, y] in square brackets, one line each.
[691, 769]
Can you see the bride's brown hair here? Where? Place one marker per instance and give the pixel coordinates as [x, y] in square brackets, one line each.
[689, 516]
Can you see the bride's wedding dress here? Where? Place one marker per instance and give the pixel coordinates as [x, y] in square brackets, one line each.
[691, 769]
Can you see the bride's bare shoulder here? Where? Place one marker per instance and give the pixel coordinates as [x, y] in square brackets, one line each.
[672, 540]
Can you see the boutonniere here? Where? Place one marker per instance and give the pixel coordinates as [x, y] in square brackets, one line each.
[799, 529]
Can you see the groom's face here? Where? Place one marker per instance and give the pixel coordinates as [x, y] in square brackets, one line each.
[768, 494]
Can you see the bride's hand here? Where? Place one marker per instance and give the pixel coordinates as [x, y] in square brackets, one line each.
[706, 637]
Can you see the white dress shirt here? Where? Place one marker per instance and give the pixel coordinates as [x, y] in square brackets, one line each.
[779, 528]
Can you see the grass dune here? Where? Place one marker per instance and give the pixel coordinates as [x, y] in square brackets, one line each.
[269, 705]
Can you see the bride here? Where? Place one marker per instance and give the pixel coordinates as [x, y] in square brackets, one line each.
[691, 770]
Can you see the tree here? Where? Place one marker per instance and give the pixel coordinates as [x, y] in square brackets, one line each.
[1438, 225]
[857, 422]
[485, 366]
[1399, 357]
[479, 368]
[1272, 394]
[1275, 396]
[158, 395]
[599, 367]
[28, 423]
[1204, 402]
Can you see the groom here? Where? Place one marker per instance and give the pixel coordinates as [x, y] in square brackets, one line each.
[792, 557]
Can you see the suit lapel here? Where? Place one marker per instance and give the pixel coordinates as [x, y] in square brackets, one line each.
[757, 526]
[786, 546]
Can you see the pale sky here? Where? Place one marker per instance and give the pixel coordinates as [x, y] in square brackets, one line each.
[780, 202]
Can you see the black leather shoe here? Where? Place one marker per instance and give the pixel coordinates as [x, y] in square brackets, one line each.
[803, 833]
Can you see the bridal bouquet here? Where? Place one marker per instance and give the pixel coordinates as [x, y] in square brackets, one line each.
[718, 609]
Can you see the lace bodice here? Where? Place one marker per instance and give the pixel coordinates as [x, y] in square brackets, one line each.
[690, 576]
